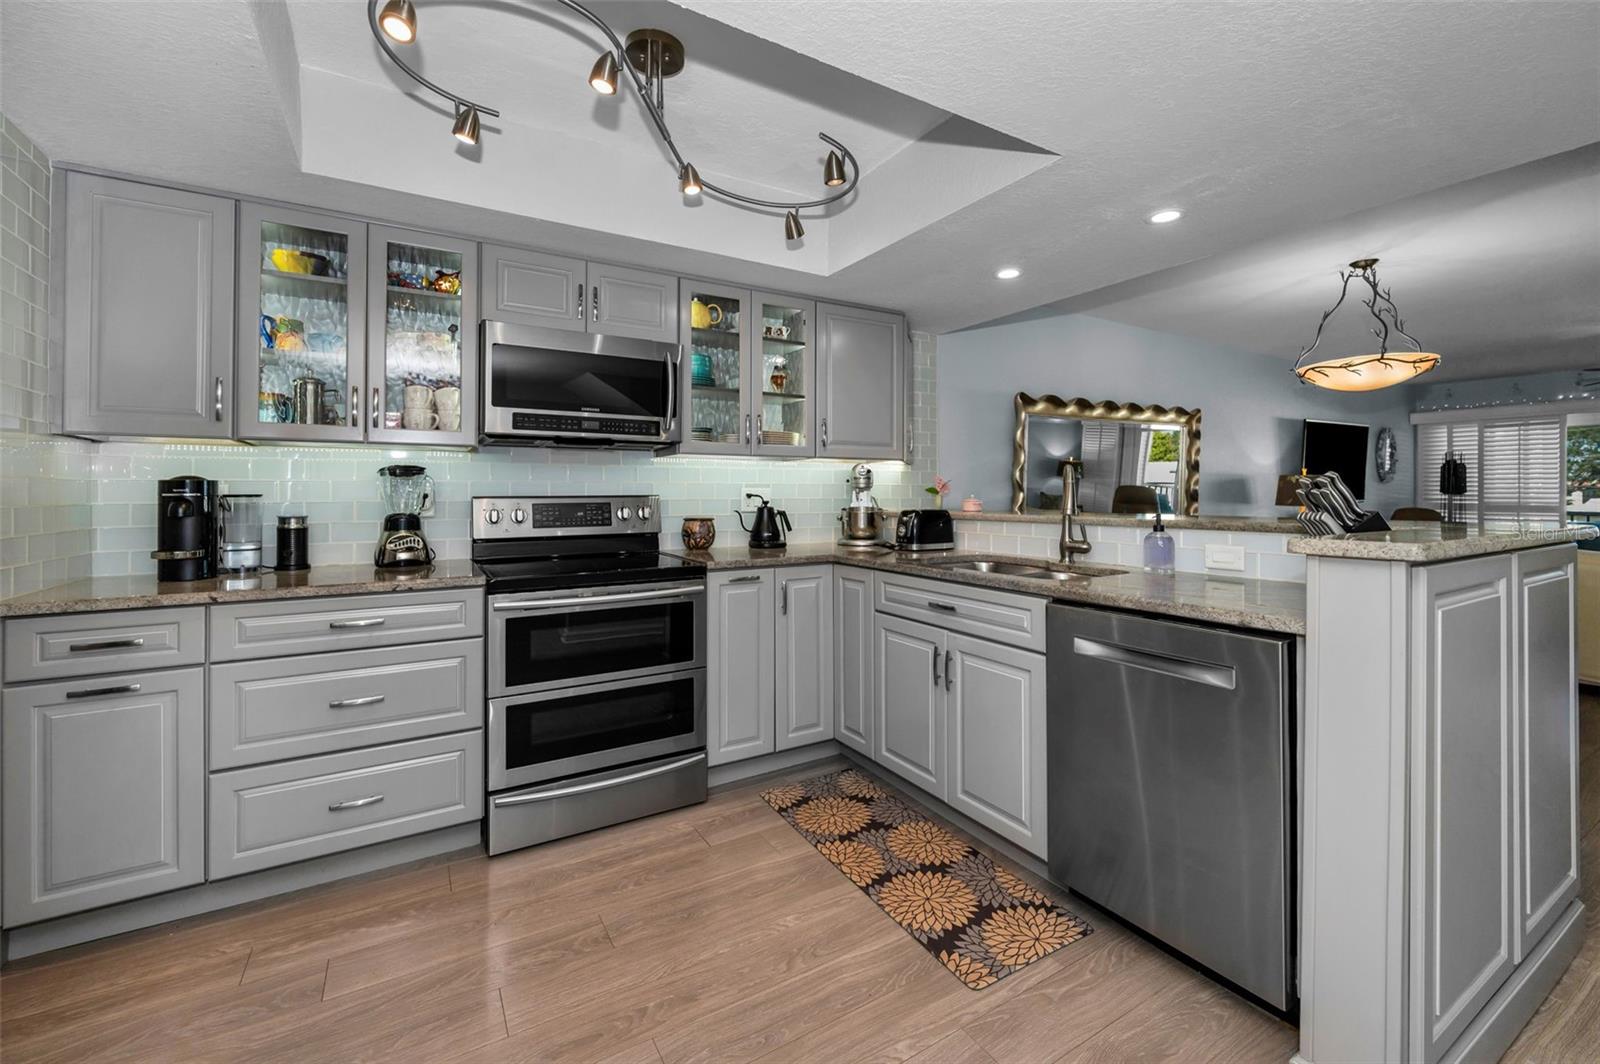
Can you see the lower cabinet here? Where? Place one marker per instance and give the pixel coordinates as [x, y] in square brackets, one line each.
[769, 668]
[964, 719]
[104, 791]
[852, 658]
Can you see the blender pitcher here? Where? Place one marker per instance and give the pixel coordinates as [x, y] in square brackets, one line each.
[406, 489]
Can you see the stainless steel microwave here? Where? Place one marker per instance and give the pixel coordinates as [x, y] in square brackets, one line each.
[559, 387]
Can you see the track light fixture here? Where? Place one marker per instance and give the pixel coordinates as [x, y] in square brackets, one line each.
[603, 76]
[833, 170]
[466, 127]
[399, 21]
[651, 56]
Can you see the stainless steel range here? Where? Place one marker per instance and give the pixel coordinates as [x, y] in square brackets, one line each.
[597, 647]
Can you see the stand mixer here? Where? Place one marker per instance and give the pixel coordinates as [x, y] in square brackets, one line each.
[861, 522]
[406, 491]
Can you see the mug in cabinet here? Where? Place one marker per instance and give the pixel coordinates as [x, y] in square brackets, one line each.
[699, 532]
[419, 395]
[704, 315]
[419, 417]
[447, 404]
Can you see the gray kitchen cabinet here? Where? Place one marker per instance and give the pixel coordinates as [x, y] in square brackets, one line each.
[861, 377]
[1547, 726]
[909, 701]
[852, 658]
[82, 644]
[1463, 725]
[343, 622]
[804, 665]
[104, 790]
[637, 303]
[149, 321]
[740, 667]
[996, 718]
[558, 292]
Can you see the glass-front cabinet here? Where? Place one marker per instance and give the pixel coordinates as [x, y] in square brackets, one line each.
[747, 367]
[301, 324]
[422, 353]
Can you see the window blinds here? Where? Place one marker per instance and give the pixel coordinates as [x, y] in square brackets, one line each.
[1515, 467]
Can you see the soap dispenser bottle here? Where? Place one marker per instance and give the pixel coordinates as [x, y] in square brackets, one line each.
[1159, 550]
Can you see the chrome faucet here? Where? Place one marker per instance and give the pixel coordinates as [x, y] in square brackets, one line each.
[1072, 542]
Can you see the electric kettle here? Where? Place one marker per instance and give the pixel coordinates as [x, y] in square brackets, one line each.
[767, 527]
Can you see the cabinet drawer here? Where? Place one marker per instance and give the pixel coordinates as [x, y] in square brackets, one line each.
[276, 629]
[1016, 620]
[295, 707]
[274, 814]
[82, 644]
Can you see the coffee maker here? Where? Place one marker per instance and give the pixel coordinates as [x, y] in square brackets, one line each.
[406, 491]
[186, 523]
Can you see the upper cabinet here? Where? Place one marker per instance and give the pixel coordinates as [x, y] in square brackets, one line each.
[302, 325]
[861, 363]
[533, 288]
[422, 344]
[148, 341]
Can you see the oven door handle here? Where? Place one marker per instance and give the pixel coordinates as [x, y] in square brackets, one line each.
[597, 600]
[597, 785]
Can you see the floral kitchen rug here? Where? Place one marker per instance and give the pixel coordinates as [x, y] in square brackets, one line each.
[980, 919]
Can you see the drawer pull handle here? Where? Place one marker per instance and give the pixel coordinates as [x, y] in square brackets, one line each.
[101, 692]
[347, 703]
[746, 579]
[355, 803]
[105, 644]
[365, 622]
[597, 785]
[947, 607]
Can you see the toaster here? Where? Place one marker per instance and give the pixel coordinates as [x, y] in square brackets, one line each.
[917, 530]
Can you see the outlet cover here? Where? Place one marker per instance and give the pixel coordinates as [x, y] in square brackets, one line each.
[1225, 556]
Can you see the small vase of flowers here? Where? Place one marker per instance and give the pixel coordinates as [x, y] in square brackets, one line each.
[937, 489]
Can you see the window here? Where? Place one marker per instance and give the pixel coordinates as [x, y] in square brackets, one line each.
[1515, 466]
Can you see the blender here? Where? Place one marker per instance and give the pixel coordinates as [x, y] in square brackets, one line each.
[406, 490]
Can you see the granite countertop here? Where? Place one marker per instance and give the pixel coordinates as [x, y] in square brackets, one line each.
[1281, 526]
[142, 592]
[1430, 541]
[1269, 605]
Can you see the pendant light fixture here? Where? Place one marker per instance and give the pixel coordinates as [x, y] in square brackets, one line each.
[649, 57]
[1366, 373]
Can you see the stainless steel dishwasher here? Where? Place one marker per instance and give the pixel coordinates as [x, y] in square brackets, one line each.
[1171, 786]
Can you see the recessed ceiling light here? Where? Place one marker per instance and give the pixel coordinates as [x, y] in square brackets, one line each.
[1008, 273]
[1162, 217]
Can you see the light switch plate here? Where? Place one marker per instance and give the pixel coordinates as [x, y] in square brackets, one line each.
[1225, 556]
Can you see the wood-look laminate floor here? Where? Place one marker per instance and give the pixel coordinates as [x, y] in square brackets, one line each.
[714, 933]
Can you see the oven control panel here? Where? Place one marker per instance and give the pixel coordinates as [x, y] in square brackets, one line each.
[545, 516]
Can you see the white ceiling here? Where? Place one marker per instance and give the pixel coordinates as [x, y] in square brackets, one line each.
[1257, 119]
[1500, 275]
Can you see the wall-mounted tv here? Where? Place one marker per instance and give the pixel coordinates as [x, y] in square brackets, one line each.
[1338, 447]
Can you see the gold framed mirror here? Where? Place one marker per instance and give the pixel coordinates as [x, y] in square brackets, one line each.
[1130, 459]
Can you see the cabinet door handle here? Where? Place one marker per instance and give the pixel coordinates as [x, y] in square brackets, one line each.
[594, 302]
[101, 692]
[945, 606]
[824, 432]
[936, 669]
[949, 677]
[783, 597]
[747, 428]
[355, 803]
[364, 622]
[580, 300]
[349, 703]
[746, 579]
[105, 644]
[219, 399]
[355, 407]
[372, 421]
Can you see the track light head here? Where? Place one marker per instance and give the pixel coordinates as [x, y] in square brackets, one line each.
[833, 170]
[689, 180]
[792, 229]
[603, 75]
[398, 20]
[466, 127]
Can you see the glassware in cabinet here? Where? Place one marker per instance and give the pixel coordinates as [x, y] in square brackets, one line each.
[422, 369]
[785, 363]
[302, 324]
[716, 379]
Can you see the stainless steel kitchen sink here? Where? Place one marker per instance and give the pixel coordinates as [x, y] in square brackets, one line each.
[1034, 572]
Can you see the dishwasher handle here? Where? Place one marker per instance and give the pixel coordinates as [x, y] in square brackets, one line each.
[1179, 668]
